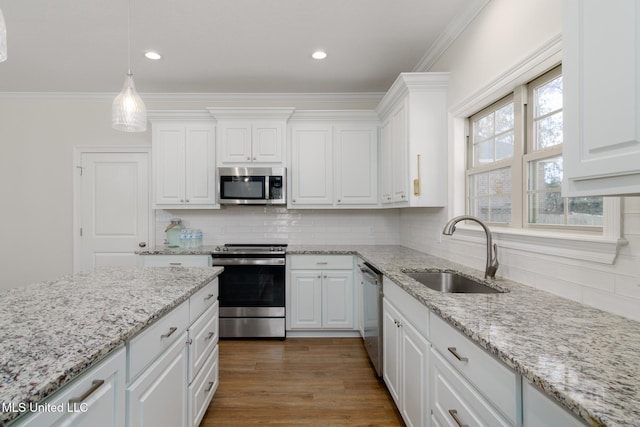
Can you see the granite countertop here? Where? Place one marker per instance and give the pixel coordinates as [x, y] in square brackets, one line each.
[53, 331]
[586, 359]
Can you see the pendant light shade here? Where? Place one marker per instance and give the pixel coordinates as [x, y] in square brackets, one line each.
[128, 112]
[3, 38]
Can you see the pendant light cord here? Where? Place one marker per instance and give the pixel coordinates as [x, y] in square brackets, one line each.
[129, 38]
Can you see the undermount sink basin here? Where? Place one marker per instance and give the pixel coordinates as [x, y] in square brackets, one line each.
[451, 283]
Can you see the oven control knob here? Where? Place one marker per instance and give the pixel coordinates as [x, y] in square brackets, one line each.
[225, 249]
[217, 249]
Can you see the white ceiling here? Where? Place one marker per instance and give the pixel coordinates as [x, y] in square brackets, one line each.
[224, 46]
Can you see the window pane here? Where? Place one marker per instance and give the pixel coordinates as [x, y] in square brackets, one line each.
[548, 97]
[483, 153]
[548, 131]
[546, 208]
[504, 146]
[585, 211]
[490, 195]
[493, 135]
[504, 118]
[546, 174]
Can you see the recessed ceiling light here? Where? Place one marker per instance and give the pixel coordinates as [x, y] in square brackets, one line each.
[152, 55]
[318, 54]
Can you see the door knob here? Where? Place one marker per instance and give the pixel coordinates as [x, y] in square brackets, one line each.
[142, 244]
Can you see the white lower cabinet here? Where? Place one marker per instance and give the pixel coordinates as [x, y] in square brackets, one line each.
[540, 411]
[95, 398]
[405, 357]
[321, 292]
[159, 396]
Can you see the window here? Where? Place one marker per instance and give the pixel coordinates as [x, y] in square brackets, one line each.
[514, 171]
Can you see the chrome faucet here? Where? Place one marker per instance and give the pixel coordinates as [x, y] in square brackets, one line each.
[492, 250]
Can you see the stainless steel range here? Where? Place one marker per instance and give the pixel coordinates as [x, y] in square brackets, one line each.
[252, 290]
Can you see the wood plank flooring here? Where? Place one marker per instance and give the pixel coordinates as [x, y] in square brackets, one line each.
[299, 382]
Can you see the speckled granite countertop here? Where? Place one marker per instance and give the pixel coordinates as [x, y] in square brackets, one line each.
[52, 331]
[585, 358]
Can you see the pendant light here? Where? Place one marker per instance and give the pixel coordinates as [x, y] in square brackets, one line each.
[3, 38]
[128, 112]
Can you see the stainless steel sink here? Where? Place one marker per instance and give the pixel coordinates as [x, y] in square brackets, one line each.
[451, 283]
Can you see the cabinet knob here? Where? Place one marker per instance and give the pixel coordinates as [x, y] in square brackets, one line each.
[319, 276]
[254, 158]
[339, 200]
[187, 200]
[248, 158]
[142, 244]
[181, 200]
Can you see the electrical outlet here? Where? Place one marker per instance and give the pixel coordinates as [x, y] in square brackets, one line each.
[372, 231]
[222, 230]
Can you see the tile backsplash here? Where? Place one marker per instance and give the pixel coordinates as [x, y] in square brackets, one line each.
[260, 224]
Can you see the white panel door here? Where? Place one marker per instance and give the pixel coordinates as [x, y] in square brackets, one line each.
[169, 163]
[267, 142]
[306, 299]
[235, 142]
[386, 162]
[337, 299]
[200, 158]
[399, 143]
[311, 166]
[356, 165]
[114, 208]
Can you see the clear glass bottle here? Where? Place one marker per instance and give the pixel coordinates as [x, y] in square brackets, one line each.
[173, 232]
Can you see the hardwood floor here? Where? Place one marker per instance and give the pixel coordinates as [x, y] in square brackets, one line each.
[299, 382]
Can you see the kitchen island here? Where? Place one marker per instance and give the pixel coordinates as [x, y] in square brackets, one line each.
[583, 358]
[54, 331]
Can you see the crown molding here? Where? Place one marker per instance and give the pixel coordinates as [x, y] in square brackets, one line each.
[411, 82]
[158, 115]
[329, 97]
[449, 35]
[271, 113]
[334, 115]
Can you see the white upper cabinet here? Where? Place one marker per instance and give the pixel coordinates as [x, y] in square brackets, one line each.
[334, 160]
[251, 135]
[183, 153]
[601, 73]
[414, 140]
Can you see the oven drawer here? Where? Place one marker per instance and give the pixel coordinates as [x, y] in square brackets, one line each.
[321, 262]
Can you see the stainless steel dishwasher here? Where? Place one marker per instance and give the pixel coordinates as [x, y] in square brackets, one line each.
[372, 307]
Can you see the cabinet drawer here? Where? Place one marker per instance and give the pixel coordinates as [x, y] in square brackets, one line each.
[147, 346]
[95, 398]
[412, 309]
[456, 402]
[175, 260]
[202, 300]
[540, 410]
[202, 389]
[494, 380]
[321, 262]
[203, 336]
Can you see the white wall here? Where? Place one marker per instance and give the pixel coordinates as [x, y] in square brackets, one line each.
[504, 33]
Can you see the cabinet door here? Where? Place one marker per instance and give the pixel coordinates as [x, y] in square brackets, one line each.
[168, 155]
[337, 299]
[306, 299]
[267, 142]
[159, 396]
[391, 334]
[200, 165]
[235, 141]
[399, 154]
[415, 372]
[386, 162]
[540, 410]
[356, 164]
[601, 68]
[311, 166]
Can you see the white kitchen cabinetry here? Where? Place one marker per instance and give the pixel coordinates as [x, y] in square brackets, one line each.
[539, 410]
[334, 163]
[414, 140]
[406, 354]
[95, 398]
[487, 391]
[251, 135]
[175, 261]
[183, 164]
[321, 292]
[601, 78]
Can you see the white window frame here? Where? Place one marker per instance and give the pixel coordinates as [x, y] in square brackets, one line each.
[601, 248]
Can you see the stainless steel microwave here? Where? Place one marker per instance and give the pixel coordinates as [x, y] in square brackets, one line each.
[252, 186]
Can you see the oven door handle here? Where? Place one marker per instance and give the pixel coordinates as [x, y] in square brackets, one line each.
[248, 261]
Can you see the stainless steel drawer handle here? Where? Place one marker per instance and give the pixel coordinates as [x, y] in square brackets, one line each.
[454, 415]
[322, 263]
[175, 263]
[208, 297]
[210, 387]
[453, 351]
[95, 384]
[168, 334]
[208, 337]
